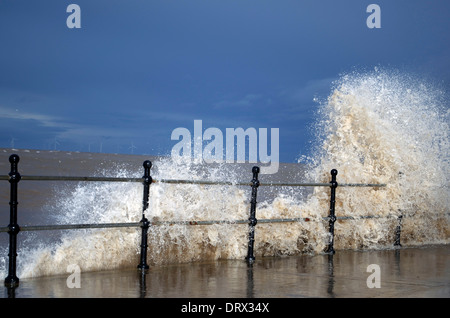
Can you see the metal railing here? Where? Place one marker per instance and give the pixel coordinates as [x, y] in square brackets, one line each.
[13, 228]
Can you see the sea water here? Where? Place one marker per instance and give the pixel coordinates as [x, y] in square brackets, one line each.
[380, 127]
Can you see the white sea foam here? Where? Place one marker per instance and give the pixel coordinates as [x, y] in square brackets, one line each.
[386, 127]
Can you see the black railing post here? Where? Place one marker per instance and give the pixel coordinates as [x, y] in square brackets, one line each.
[398, 231]
[14, 177]
[332, 217]
[252, 220]
[145, 224]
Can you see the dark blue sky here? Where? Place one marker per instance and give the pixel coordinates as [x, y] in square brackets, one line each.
[136, 70]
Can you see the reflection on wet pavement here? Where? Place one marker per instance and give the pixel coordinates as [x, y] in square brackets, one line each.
[407, 272]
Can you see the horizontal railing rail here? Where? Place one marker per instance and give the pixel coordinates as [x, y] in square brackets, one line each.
[179, 181]
[70, 178]
[72, 226]
[190, 222]
[13, 228]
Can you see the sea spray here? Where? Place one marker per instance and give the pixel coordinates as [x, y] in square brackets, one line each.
[91, 250]
[386, 127]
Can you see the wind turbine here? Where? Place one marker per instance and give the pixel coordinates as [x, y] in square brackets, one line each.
[11, 142]
[56, 143]
[132, 147]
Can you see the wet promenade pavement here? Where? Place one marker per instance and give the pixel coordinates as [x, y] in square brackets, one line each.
[396, 273]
